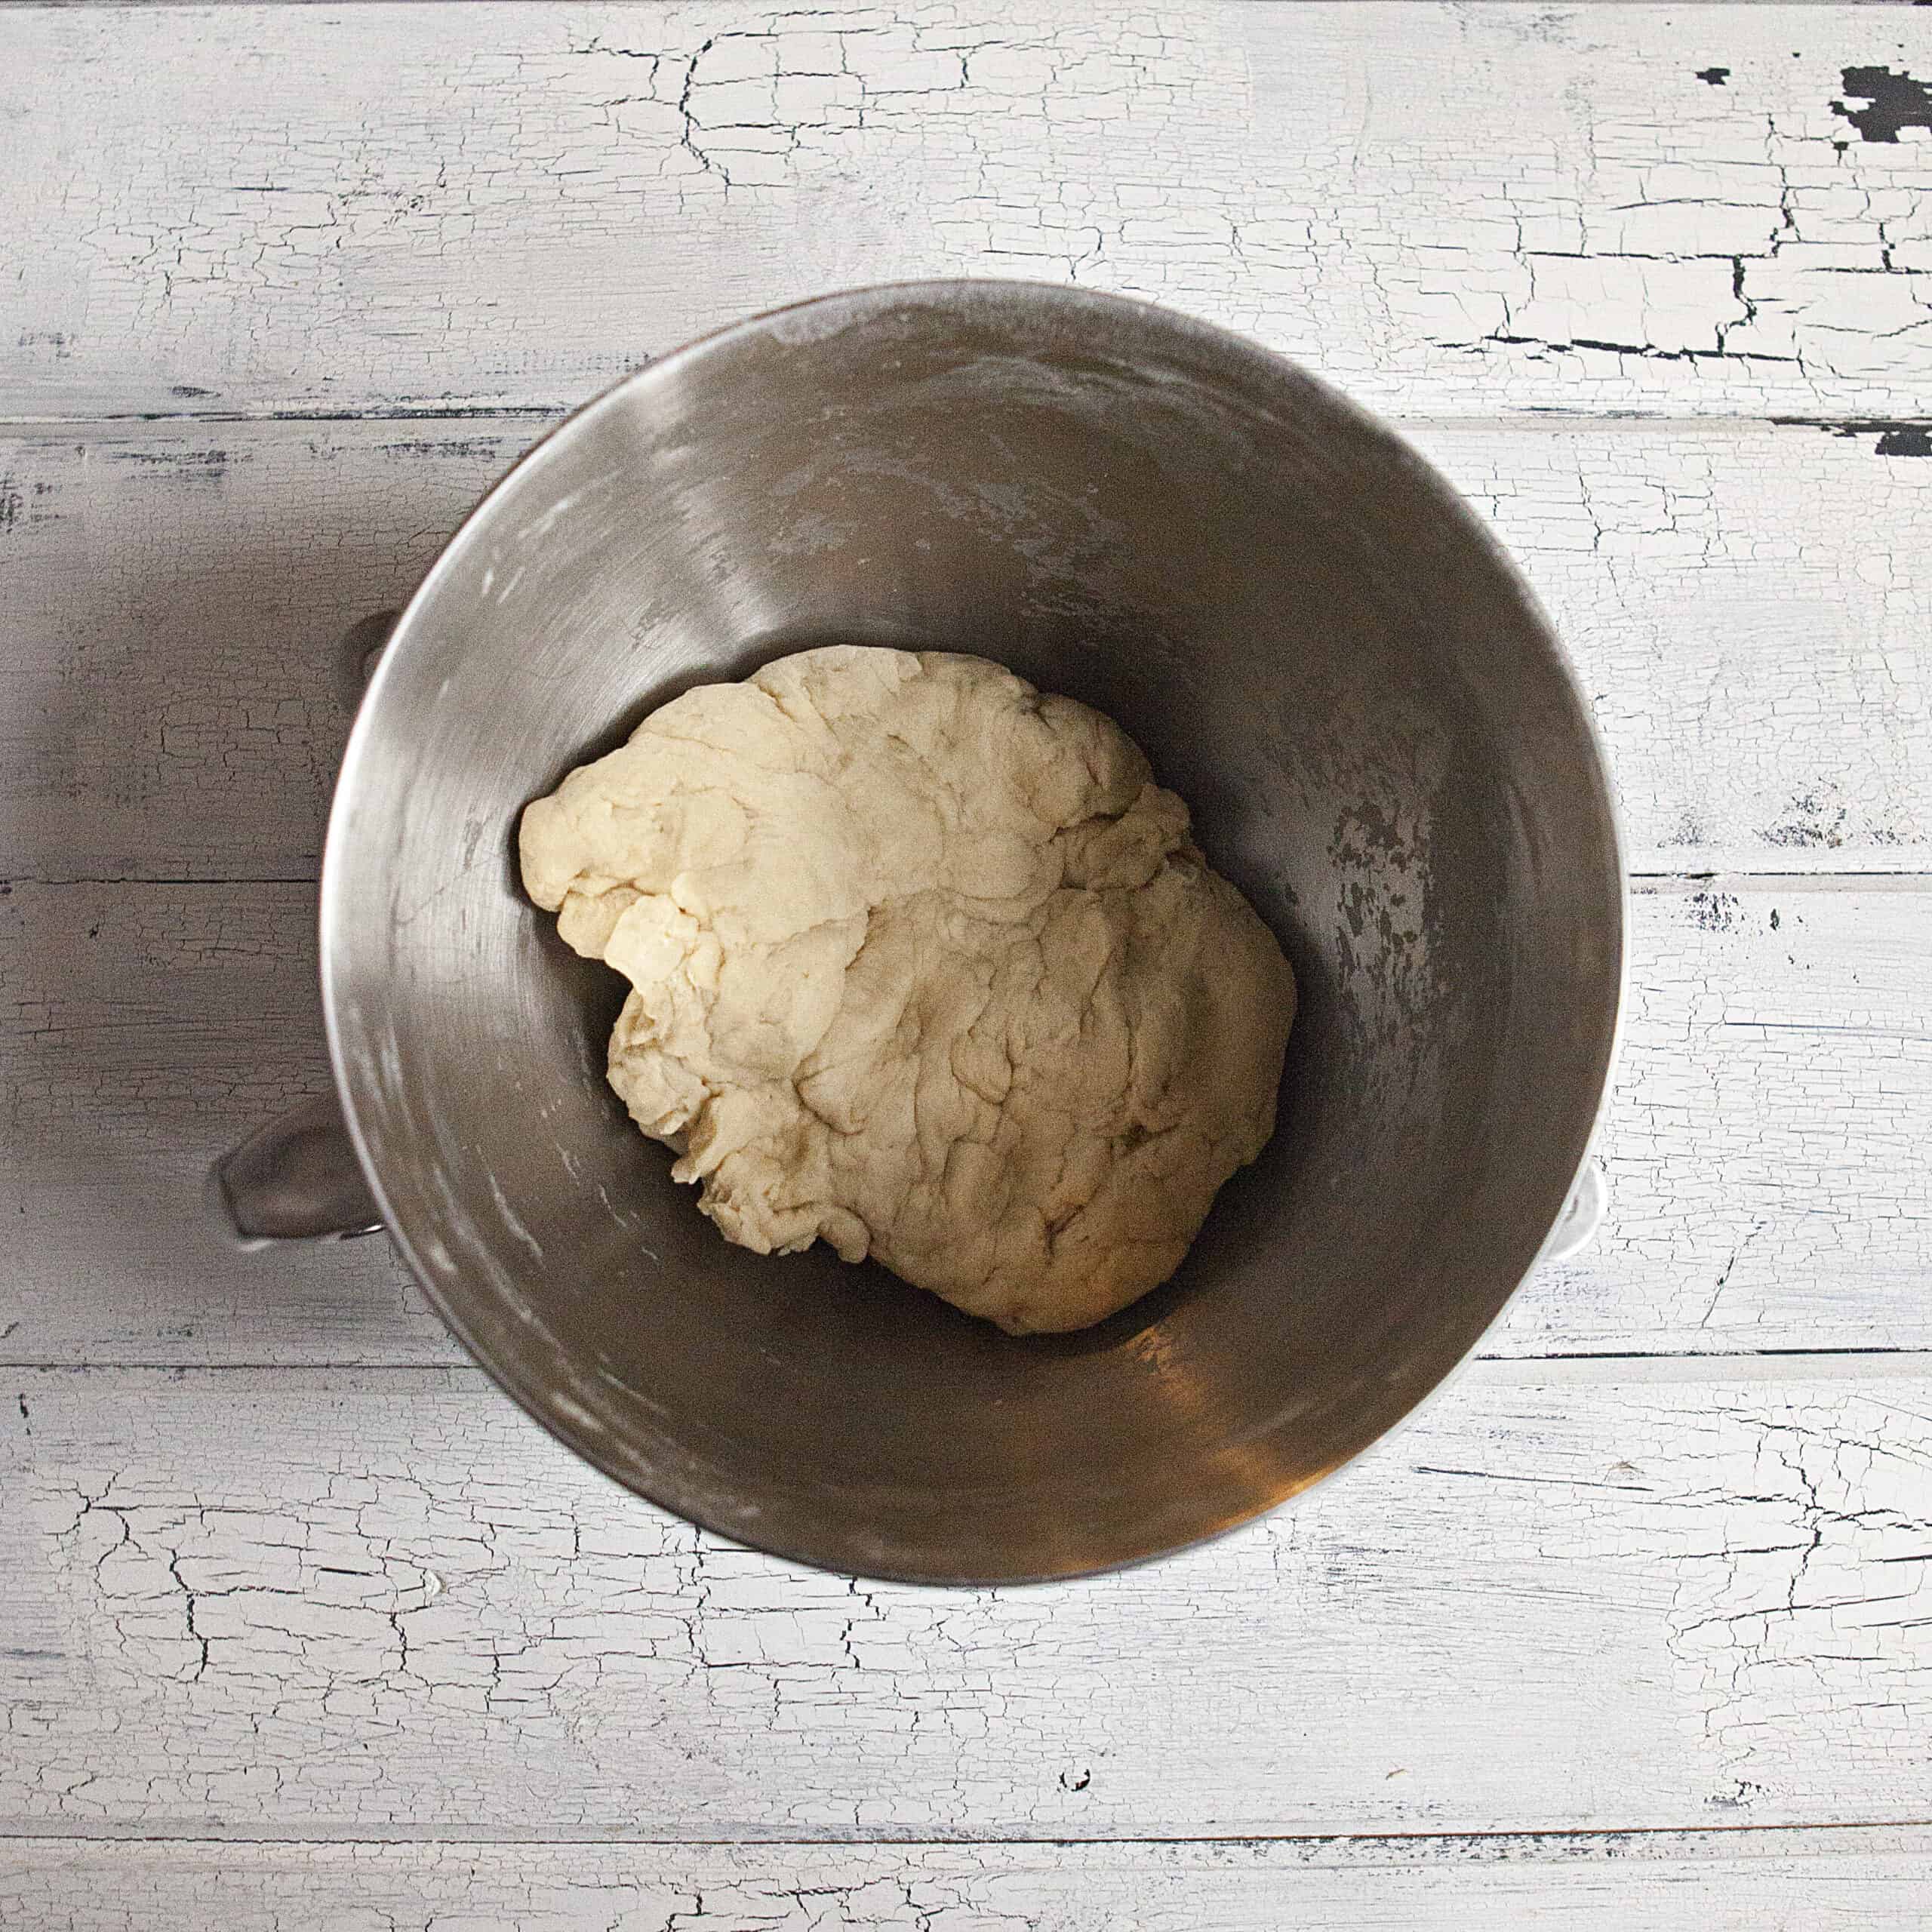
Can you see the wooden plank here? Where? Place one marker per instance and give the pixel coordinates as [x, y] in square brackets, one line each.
[1711, 1881]
[289, 1603]
[143, 1029]
[1443, 208]
[1770, 1132]
[1746, 608]
[1769, 1145]
[170, 703]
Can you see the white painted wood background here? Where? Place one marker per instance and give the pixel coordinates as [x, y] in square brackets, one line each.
[302, 1626]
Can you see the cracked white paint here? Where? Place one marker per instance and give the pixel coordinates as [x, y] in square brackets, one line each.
[1746, 608]
[1769, 1138]
[373, 1601]
[1460, 207]
[1666, 1881]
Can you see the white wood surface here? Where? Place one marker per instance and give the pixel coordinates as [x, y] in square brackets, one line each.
[1769, 1145]
[1744, 603]
[339, 210]
[1863, 1881]
[302, 1626]
[1563, 1597]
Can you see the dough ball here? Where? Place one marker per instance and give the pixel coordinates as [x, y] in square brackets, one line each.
[923, 964]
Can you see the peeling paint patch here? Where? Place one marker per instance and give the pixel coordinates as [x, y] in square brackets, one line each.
[1714, 911]
[209, 465]
[1895, 436]
[1811, 822]
[1897, 101]
[1904, 438]
[1713, 76]
[24, 503]
[487, 449]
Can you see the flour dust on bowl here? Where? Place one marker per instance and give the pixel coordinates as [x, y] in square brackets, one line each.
[1317, 647]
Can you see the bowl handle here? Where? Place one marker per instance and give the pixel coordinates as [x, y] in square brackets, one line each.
[356, 656]
[298, 1179]
[1582, 1215]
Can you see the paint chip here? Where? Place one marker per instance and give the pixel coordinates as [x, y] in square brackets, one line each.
[1895, 439]
[1896, 101]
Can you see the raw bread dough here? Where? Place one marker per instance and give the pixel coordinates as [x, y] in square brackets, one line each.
[925, 965]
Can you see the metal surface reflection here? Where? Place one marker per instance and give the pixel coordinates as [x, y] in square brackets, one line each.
[1318, 648]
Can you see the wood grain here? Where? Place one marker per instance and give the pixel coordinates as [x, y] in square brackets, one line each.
[1769, 1143]
[1746, 608]
[1860, 1881]
[318, 1603]
[1475, 208]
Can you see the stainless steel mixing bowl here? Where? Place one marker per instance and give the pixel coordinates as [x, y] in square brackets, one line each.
[1321, 650]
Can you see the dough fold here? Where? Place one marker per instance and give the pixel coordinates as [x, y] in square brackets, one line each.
[923, 965]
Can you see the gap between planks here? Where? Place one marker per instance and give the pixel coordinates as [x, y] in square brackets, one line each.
[1821, 874]
[1310, 1848]
[1599, 1369]
[1556, 421]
